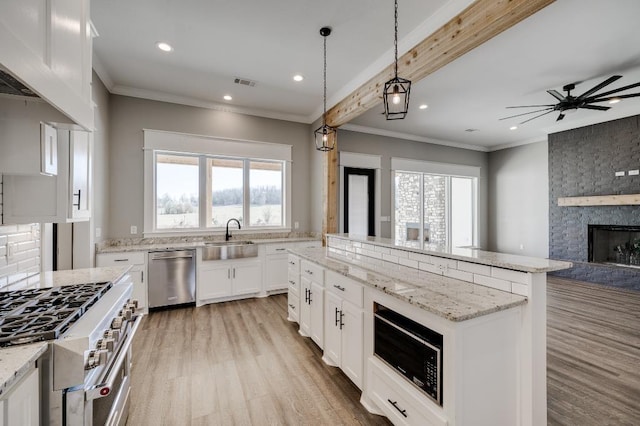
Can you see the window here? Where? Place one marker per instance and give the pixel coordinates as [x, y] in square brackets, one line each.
[201, 190]
[434, 208]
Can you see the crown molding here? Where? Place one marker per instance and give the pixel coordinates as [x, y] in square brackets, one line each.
[101, 70]
[410, 137]
[536, 139]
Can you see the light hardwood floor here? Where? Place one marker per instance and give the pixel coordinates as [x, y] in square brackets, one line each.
[593, 354]
[243, 363]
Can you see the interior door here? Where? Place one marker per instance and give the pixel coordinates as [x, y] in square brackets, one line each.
[359, 201]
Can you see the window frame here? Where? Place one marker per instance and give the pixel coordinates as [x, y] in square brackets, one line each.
[205, 148]
[399, 165]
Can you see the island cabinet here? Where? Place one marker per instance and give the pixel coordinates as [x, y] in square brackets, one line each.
[293, 279]
[343, 325]
[48, 46]
[21, 404]
[312, 301]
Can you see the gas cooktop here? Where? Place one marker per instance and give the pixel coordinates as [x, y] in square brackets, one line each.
[28, 316]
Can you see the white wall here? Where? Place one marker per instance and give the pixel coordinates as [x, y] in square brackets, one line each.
[519, 200]
[128, 116]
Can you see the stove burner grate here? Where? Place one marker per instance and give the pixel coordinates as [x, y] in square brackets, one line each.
[28, 316]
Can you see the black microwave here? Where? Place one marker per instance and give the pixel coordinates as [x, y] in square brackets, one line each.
[411, 349]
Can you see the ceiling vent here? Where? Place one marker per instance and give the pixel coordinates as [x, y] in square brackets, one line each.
[244, 81]
[10, 86]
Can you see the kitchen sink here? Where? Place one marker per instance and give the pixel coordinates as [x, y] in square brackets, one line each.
[229, 250]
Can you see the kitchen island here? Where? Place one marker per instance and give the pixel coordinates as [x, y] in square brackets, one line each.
[488, 308]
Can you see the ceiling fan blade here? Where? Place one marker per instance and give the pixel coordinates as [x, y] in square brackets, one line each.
[556, 94]
[560, 117]
[620, 89]
[530, 106]
[596, 107]
[525, 113]
[533, 118]
[630, 95]
[597, 87]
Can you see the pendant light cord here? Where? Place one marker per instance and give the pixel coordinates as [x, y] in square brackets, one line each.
[324, 115]
[395, 40]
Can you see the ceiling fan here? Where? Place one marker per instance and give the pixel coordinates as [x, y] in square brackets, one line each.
[571, 103]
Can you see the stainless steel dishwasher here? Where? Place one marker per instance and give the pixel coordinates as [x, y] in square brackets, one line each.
[172, 277]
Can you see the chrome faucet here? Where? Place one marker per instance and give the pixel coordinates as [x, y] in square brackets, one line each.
[227, 235]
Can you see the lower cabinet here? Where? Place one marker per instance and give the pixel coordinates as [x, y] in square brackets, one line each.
[343, 338]
[311, 310]
[21, 405]
[138, 272]
[225, 278]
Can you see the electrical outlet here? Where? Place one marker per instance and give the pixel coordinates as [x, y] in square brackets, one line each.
[521, 246]
[98, 232]
[634, 172]
[134, 229]
[620, 174]
[296, 225]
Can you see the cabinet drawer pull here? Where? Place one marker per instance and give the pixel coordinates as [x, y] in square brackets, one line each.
[280, 249]
[292, 282]
[120, 260]
[308, 272]
[338, 287]
[395, 405]
[292, 263]
[292, 307]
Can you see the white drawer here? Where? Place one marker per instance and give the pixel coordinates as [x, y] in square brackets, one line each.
[120, 259]
[280, 248]
[312, 271]
[293, 281]
[293, 301]
[399, 400]
[294, 264]
[345, 288]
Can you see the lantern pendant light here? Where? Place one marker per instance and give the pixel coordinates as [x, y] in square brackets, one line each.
[396, 90]
[325, 136]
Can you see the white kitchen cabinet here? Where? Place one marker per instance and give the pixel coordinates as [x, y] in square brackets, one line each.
[228, 278]
[53, 199]
[312, 302]
[21, 405]
[28, 147]
[138, 272]
[294, 288]
[343, 326]
[48, 45]
[276, 258]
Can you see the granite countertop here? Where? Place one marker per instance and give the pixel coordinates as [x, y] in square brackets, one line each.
[466, 254]
[449, 298]
[120, 247]
[15, 361]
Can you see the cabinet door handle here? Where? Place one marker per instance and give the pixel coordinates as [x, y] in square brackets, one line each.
[292, 282]
[310, 297]
[280, 249]
[141, 276]
[338, 287]
[306, 295]
[293, 308]
[395, 405]
[234, 272]
[337, 317]
[341, 323]
[292, 263]
[79, 197]
[120, 260]
[229, 274]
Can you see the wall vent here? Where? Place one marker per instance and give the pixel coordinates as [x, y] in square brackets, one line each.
[244, 81]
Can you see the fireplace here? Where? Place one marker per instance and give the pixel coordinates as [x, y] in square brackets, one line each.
[614, 244]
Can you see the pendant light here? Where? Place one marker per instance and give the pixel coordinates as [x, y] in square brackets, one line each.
[396, 90]
[325, 135]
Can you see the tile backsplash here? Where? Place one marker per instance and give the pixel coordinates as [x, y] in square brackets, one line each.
[19, 253]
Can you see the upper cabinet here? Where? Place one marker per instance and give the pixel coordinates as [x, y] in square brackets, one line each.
[48, 46]
[65, 197]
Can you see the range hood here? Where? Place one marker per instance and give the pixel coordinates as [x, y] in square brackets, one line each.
[9, 85]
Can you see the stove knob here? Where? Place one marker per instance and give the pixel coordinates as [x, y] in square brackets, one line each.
[132, 307]
[117, 322]
[112, 334]
[96, 358]
[105, 344]
[126, 313]
[133, 302]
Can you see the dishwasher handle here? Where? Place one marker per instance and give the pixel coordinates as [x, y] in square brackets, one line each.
[172, 255]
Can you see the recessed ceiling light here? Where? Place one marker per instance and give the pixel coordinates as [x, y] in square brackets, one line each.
[513, 127]
[423, 106]
[298, 77]
[227, 97]
[165, 47]
[614, 101]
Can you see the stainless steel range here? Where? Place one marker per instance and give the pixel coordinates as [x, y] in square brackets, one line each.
[85, 373]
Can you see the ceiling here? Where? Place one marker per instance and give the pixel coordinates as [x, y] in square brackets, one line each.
[570, 41]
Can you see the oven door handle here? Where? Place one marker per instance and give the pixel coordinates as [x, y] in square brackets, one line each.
[104, 389]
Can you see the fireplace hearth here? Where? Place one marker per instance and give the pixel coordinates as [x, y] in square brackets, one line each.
[614, 244]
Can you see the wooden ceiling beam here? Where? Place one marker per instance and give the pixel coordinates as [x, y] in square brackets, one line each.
[481, 21]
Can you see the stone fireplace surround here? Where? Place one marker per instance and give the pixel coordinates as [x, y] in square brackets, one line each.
[583, 162]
